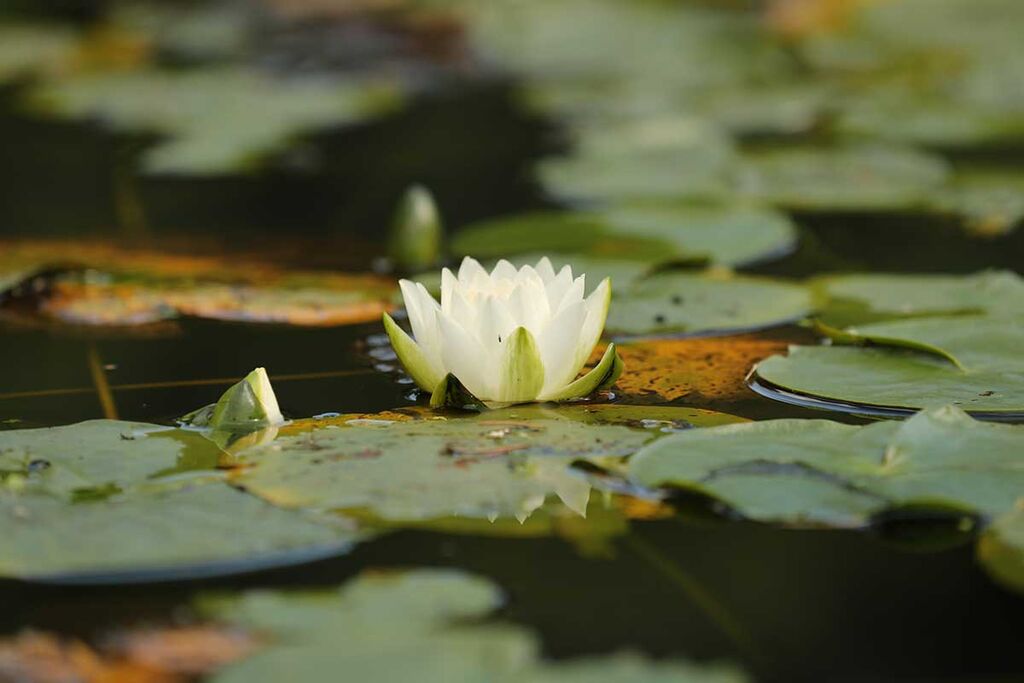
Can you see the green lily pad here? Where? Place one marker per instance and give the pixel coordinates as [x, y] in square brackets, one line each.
[725, 235]
[871, 297]
[134, 502]
[991, 203]
[31, 49]
[821, 472]
[1001, 550]
[108, 455]
[705, 303]
[898, 371]
[862, 178]
[654, 234]
[647, 160]
[159, 533]
[224, 118]
[499, 464]
[422, 625]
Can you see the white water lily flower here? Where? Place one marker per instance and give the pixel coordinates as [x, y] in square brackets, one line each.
[509, 336]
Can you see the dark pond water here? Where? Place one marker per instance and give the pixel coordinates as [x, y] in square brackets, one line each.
[906, 602]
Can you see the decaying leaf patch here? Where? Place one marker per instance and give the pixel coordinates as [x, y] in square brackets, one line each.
[702, 369]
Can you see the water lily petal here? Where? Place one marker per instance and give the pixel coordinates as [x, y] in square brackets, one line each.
[465, 357]
[558, 286]
[573, 293]
[503, 271]
[413, 359]
[448, 285]
[545, 270]
[597, 312]
[558, 345]
[470, 271]
[521, 376]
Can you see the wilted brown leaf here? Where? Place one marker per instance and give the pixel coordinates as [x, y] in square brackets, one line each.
[705, 369]
[191, 650]
[139, 287]
[158, 655]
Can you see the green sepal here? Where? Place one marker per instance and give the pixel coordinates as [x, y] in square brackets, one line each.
[411, 355]
[851, 337]
[522, 371]
[602, 376]
[452, 394]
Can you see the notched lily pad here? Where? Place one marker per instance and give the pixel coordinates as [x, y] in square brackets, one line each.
[653, 234]
[820, 472]
[423, 625]
[701, 369]
[224, 118]
[872, 297]
[500, 464]
[159, 533]
[705, 303]
[861, 178]
[986, 379]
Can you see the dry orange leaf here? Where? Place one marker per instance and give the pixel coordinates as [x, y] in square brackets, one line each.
[703, 369]
[166, 655]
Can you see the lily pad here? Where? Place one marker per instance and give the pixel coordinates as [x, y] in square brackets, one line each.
[822, 472]
[127, 303]
[423, 625]
[34, 49]
[858, 178]
[705, 303]
[136, 502]
[159, 533]
[969, 361]
[108, 455]
[991, 203]
[500, 464]
[649, 159]
[870, 297]
[700, 370]
[224, 119]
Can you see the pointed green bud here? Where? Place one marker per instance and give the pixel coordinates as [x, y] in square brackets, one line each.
[416, 233]
[249, 404]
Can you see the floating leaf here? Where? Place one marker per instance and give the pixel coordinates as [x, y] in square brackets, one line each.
[156, 655]
[705, 303]
[159, 532]
[990, 202]
[864, 178]
[422, 625]
[502, 463]
[701, 370]
[30, 50]
[107, 455]
[868, 297]
[648, 159]
[336, 303]
[821, 472]
[224, 118]
[989, 383]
